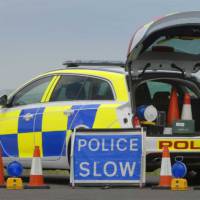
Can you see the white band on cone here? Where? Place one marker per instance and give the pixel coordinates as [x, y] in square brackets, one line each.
[36, 168]
[186, 112]
[166, 169]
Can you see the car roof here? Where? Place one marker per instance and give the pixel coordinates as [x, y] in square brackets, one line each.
[115, 69]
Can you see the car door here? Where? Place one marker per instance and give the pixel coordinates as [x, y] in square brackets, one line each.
[170, 43]
[59, 114]
[21, 121]
[77, 101]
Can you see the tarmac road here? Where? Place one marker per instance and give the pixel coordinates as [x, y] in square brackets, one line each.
[60, 189]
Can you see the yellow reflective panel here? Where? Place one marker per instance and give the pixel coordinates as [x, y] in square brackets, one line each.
[9, 121]
[183, 145]
[54, 118]
[50, 89]
[38, 141]
[27, 143]
[106, 116]
[120, 87]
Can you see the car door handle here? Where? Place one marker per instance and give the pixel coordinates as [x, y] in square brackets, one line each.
[27, 117]
[69, 112]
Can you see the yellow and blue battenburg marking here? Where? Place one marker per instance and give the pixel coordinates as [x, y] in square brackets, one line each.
[83, 114]
[32, 125]
[9, 143]
[46, 128]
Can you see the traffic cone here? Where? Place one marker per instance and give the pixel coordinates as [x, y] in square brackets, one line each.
[187, 110]
[166, 170]
[36, 180]
[2, 179]
[173, 111]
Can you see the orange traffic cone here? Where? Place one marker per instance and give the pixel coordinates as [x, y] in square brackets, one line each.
[2, 179]
[186, 111]
[36, 180]
[173, 111]
[166, 170]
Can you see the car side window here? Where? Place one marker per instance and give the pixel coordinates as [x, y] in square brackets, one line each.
[32, 93]
[72, 87]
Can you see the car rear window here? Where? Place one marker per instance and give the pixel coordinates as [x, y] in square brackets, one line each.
[189, 45]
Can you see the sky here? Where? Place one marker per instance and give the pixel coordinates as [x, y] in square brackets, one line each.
[39, 35]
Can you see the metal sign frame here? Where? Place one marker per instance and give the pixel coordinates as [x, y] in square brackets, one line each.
[141, 132]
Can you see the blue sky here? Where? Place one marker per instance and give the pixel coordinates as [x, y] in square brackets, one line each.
[38, 35]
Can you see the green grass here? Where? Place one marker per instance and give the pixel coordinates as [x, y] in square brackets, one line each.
[154, 173]
[26, 172]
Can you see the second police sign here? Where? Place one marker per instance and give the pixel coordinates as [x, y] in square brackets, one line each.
[107, 157]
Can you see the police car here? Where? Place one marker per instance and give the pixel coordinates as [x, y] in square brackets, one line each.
[45, 110]
[162, 55]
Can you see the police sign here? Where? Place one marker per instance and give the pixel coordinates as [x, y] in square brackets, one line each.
[111, 156]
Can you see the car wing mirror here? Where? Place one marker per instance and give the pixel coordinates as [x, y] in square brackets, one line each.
[3, 100]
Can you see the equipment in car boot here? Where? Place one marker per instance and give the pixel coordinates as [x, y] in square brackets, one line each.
[183, 127]
[186, 124]
[173, 111]
[136, 122]
[161, 119]
[187, 110]
[147, 112]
